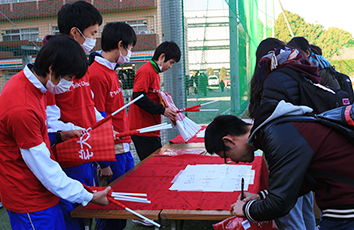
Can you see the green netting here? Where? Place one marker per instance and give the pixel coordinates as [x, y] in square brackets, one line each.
[218, 39]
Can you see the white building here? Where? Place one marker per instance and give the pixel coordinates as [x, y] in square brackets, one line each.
[208, 43]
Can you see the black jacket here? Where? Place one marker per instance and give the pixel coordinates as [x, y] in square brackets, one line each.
[280, 86]
[295, 152]
[276, 87]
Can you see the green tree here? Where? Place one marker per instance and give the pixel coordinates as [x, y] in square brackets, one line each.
[222, 73]
[334, 39]
[330, 40]
[210, 71]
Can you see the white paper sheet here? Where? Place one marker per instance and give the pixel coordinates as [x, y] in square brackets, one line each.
[213, 178]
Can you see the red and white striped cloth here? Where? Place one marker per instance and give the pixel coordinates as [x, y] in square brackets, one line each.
[186, 127]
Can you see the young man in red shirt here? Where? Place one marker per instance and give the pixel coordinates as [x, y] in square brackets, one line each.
[32, 181]
[75, 108]
[147, 111]
[117, 40]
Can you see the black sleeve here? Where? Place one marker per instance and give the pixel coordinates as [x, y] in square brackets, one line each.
[148, 105]
[288, 158]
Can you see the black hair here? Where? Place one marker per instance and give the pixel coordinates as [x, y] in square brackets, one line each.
[256, 88]
[170, 49]
[221, 126]
[316, 49]
[114, 32]
[64, 55]
[79, 14]
[300, 43]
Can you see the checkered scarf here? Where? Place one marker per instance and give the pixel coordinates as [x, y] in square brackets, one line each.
[284, 56]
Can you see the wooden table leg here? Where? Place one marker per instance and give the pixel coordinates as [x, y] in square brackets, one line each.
[173, 224]
[181, 224]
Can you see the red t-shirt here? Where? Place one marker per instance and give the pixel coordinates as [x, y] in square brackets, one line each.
[146, 80]
[76, 104]
[108, 96]
[23, 125]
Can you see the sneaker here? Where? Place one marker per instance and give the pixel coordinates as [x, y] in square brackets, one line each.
[142, 222]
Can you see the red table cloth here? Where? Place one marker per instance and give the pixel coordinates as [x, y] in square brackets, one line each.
[155, 175]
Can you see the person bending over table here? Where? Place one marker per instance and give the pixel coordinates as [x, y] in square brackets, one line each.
[299, 154]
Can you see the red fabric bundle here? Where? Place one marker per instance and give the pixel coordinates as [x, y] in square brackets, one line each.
[94, 145]
[235, 223]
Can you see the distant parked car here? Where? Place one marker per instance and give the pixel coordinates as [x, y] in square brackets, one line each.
[227, 81]
[213, 80]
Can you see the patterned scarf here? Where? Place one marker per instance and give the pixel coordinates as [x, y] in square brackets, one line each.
[292, 58]
[318, 60]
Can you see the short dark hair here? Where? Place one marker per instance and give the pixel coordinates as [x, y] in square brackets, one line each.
[114, 32]
[170, 49]
[79, 14]
[64, 54]
[221, 126]
[316, 49]
[299, 43]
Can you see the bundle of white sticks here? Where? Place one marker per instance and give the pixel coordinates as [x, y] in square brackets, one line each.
[152, 128]
[133, 197]
[186, 127]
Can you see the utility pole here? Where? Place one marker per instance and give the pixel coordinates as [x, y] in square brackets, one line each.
[286, 19]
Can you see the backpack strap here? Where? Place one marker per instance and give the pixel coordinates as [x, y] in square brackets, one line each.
[335, 177]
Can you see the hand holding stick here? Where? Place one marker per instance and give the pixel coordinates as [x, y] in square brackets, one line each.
[112, 200]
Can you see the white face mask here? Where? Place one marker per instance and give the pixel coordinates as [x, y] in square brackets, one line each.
[61, 87]
[124, 59]
[89, 43]
[160, 66]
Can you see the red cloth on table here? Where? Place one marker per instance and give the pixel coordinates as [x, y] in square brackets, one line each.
[155, 175]
[194, 139]
[93, 145]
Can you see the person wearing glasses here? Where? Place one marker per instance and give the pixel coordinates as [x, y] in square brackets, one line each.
[301, 157]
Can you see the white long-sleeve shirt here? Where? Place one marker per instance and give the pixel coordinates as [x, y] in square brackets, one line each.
[50, 174]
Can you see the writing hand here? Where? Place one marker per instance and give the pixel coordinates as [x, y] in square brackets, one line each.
[249, 196]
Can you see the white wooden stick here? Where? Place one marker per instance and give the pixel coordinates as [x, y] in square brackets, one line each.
[155, 128]
[125, 106]
[208, 110]
[132, 199]
[210, 102]
[128, 194]
[143, 217]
